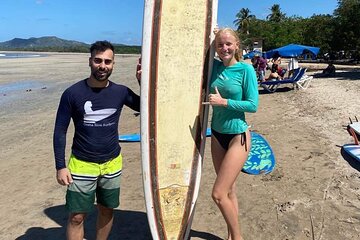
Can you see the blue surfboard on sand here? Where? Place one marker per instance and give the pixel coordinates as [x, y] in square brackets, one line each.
[261, 157]
[134, 137]
[353, 150]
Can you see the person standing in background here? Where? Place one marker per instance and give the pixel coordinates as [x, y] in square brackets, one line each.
[292, 65]
[261, 65]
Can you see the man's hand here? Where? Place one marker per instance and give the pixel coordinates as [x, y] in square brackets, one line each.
[138, 71]
[63, 177]
[216, 29]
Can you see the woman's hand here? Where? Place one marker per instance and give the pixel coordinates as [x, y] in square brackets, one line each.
[216, 99]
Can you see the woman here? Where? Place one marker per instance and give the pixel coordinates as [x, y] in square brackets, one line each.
[275, 69]
[234, 91]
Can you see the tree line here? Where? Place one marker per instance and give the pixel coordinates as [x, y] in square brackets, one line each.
[119, 49]
[337, 35]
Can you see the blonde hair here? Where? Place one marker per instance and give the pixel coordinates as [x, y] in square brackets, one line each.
[238, 53]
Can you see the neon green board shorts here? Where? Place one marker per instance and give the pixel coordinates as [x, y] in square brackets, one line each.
[93, 179]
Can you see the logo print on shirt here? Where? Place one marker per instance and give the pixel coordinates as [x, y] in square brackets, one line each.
[91, 116]
[222, 77]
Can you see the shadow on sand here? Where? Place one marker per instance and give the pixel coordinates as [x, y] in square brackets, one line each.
[203, 235]
[280, 89]
[128, 225]
[342, 75]
[348, 75]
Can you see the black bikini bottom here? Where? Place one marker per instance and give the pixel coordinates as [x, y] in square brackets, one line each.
[225, 139]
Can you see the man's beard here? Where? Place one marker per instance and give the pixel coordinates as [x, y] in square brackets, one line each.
[101, 76]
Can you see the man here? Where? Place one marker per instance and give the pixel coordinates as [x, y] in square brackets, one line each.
[94, 168]
[292, 65]
[329, 71]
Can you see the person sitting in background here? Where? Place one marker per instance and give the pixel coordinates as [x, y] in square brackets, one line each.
[281, 71]
[277, 72]
[329, 71]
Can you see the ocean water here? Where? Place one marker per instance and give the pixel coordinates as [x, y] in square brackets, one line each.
[20, 55]
[18, 86]
[14, 92]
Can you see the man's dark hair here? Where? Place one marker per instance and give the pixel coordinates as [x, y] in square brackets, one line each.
[101, 46]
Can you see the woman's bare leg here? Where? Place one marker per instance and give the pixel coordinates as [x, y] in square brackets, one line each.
[228, 165]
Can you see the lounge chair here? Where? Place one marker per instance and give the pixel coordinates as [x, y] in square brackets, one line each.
[304, 82]
[272, 86]
[354, 130]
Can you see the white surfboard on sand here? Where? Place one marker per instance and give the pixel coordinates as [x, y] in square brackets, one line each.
[176, 49]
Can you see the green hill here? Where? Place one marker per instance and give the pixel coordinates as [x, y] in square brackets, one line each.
[55, 44]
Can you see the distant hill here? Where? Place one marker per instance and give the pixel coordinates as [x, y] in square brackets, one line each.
[55, 44]
[39, 42]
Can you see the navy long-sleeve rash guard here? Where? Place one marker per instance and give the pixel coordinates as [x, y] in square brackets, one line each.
[95, 113]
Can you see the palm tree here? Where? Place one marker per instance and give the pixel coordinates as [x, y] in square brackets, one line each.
[242, 21]
[276, 15]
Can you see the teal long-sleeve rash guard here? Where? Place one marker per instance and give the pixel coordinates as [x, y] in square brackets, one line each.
[238, 84]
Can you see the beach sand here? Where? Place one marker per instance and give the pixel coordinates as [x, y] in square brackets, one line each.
[313, 193]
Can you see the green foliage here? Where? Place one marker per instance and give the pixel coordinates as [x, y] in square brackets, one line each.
[347, 25]
[338, 32]
[75, 49]
[276, 14]
[274, 34]
[243, 19]
[127, 49]
[319, 31]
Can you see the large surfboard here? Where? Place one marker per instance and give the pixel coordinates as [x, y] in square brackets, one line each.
[176, 62]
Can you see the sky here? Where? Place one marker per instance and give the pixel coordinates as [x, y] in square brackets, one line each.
[120, 21]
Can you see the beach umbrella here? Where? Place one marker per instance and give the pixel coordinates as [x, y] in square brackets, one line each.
[292, 50]
[251, 54]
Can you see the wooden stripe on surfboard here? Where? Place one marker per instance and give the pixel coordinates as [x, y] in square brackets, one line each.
[176, 122]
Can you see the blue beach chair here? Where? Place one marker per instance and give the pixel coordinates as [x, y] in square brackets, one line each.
[299, 75]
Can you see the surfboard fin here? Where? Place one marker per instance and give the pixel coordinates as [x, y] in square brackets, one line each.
[356, 119]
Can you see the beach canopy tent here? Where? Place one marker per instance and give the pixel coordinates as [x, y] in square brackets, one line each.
[292, 50]
[252, 54]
